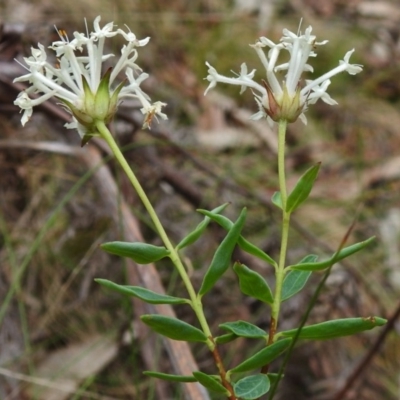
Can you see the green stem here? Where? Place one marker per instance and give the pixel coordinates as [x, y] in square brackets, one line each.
[174, 256]
[280, 271]
[106, 135]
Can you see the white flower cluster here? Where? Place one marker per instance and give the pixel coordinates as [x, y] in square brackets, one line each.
[287, 99]
[77, 79]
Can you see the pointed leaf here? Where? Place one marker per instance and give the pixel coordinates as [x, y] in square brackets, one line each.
[144, 294]
[170, 377]
[142, 253]
[252, 387]
[336, 328]
[200, 228]
[344, 253]
[244, 329]
[244, 244]
[253, 284]
[295, 280]
[255, 251]
[263, 357]
[302, 189]
[222, 256]
[173, 328]
[277, 199]
[229, 337]
[210, 382]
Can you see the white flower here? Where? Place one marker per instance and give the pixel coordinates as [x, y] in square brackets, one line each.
[79, 81]
[149, 110]
[286, 99]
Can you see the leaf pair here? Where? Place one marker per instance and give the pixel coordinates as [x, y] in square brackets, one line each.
[248, 388]
[244, 244]
[253, 284]
[199, 230]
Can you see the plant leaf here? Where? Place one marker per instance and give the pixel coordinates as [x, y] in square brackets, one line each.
[229, 337]
[200, 228]
[277, 199]
[173, 328]
[144, 294]
[142, 253]
[336, 328]
[302, 189]
[253, 284]
[244, 329]
[210, 383]
[295, 280]
[263, 357]
[252, 387]
[250, 248]
[344, 253]
[170, 377]
[244, 244]
[222, 256]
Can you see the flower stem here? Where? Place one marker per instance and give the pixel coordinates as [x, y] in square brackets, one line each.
[174, 256]
[280, 271]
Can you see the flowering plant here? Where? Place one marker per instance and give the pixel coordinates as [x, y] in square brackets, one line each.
[286, 101]
[77, 81]
[78, 84]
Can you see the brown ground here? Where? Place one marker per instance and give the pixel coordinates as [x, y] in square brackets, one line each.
[64, 337]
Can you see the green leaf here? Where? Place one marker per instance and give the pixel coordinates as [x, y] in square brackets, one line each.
[142, 253]
[253, 284]
[295, 280]
[344, 253]
[252, 387]
[173, 328]
[277, 200]
[210, 382]
[263, 357]
[222, 256]
[229, 337]
[170, 377]
[244, 329]
[336, 328]
[250, 248]
[144, 294]
[200, 228]
[244, 244]
[302, 189]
